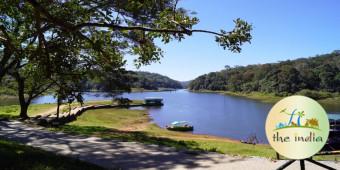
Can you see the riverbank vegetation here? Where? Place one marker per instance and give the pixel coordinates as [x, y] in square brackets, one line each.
[263, 97]
[17, 156]
[316, 77]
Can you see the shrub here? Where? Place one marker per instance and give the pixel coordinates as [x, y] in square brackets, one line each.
[317, 95]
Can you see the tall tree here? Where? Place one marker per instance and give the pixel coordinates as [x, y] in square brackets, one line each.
[63, 37]
[125, 26]
[31, 83]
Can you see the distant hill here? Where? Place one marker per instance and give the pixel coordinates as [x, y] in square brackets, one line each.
[139, 79]
[185, 84]
[320, 73]
[153, 81]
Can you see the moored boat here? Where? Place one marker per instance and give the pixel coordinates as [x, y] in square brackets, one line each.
[180, 126]
[153, 101]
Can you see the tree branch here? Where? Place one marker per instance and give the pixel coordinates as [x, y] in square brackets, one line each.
[77, 27]
[3, 39]
[42, 91]
[48, 16]
[140, 28]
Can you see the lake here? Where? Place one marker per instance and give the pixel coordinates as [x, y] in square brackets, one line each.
[210, 113]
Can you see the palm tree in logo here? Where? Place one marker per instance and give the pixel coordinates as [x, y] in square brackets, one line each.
[291, 115]
[300, 114]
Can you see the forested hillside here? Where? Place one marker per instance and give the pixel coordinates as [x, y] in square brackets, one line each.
[145, 80]
[153, 81]
[139, 79]
[305, 75]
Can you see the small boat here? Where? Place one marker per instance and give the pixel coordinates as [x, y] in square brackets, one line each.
[153, 101]
[180, 126]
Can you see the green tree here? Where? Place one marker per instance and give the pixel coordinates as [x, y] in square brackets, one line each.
[31, 84]
[63, 38]
[124, 26]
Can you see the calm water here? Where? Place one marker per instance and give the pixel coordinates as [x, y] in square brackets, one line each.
[213, 114]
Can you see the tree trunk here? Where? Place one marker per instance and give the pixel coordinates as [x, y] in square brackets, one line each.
[23, 111]
[58, 106]
[21, 94]
[69, 109]
[5, 63]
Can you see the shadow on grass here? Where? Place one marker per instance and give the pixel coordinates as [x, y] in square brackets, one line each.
[133, 136]
[8, 116]
[18, 156]
[107, 152]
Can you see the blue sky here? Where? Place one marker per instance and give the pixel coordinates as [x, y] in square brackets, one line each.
[282, 30]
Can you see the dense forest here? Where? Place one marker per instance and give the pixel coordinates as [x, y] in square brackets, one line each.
[305, 75]
[153, 81]
[139, 79]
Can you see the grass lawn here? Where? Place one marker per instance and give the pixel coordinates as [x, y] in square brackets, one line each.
[112, 118]
[18, 156]
[12, 111]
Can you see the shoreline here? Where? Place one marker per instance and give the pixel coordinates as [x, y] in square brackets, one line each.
[137, 125]
[203, 136]
[258, 96]
[331, 104]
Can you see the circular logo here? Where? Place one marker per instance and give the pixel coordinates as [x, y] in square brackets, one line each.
[297, 127]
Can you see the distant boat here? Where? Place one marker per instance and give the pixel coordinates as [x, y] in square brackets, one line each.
[153, 101]
[180, 126]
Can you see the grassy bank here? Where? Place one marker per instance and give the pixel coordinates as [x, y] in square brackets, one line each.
[134, 125]
[330, 102]
[263, 97]
[17, 156]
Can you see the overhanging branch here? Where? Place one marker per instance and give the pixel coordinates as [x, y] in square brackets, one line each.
[72, 27]
[119, 27]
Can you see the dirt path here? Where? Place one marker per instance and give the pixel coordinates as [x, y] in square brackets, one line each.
[131, 155]
[51, 111]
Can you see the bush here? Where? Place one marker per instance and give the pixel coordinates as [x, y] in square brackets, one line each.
[317, 95]
[122, 101]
